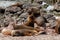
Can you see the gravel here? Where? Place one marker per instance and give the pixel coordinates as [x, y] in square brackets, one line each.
[39, 37]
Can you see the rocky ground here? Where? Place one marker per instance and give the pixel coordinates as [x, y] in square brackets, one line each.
[40, 37]
[19, 15]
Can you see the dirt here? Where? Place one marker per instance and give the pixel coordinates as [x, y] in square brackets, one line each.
[40, 37]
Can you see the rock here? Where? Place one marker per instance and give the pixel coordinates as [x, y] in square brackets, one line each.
[22, 17]
[24, 14]
[50, 31]
[13, 9]
[48, 8]
[25, 5]
[56, 10]
[47, 24]
[2, 10]
[19, 12]
[40, 2]
[18, 4]
[57, 7]
[40, 20]
[48, 16]
[52, 23]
